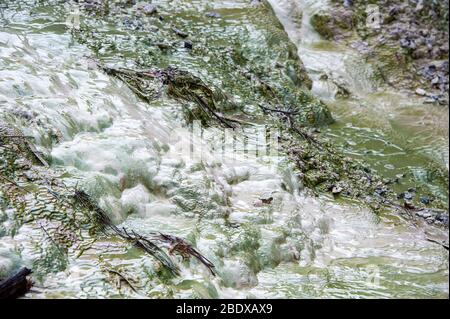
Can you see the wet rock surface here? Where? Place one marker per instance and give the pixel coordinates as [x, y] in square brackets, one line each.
[407, 42]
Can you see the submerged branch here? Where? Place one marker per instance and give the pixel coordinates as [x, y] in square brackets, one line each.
[142, 242]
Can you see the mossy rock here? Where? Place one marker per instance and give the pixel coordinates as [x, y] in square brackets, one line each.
[322, 23]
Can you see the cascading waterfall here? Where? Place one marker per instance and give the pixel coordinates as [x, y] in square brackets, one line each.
[127, 154]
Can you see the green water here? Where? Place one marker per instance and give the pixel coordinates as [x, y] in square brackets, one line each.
[300, 246]
[396, 132]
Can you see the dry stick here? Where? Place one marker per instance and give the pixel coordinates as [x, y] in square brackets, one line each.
[30, 147]
[17, 136]
[12, 182]
[199, 100]
[36, 154]
[51, 239]
[208, 108]
[289, 115]
[123, 278]
[305, 136]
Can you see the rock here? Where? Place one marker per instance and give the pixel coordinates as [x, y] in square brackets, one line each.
[407, 196]
[436, 53]
[212, 15]
[163, 46]
[424, 32]
[322, 23]
[444, 48]
[149, 9]
[420, 53]
[430, 42]
[336, 190]
[421, 92]
[435, 80]
[443, 218]
[255, 3]
[408, 204]
[426, 215]
[348, 3]
[432, 68]
[419, 6]
[431, 100]
[180, 33]
[430, 220]
[392, 15]
[404, 43]
[425, 200]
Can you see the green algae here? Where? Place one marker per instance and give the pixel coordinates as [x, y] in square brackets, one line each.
[233, 82]
[263, 74]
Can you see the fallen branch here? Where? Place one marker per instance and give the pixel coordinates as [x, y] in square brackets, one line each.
[103, 220]
[17, 136]
[16, 285]
[12, 133]
[265, 108]
[180, 85]
[123, 278]
[149, 247]
[437, 242]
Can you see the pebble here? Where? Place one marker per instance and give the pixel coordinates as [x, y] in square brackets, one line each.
[407, 43]
[336, 189]
[435, 80]
[425, 200]
[443, 218]
[426, 215]
[407, 196]
[421, 92]
[163, 46]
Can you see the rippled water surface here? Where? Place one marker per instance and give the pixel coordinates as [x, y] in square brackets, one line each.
[309, 247]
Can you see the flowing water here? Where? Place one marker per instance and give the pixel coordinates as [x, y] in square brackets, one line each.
[306, 247]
